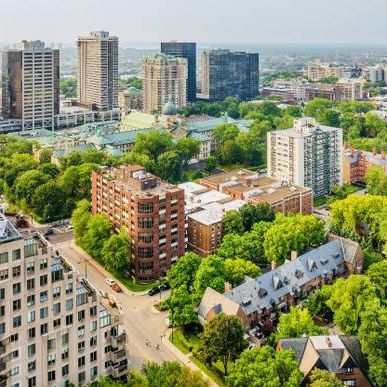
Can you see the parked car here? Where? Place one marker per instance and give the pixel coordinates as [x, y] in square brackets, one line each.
[168, 322]
[110, 282]
[154, 291]
[116, 288]
[165, 286]
[48, 232]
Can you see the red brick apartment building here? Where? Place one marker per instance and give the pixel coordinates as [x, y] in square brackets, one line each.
[151, 210]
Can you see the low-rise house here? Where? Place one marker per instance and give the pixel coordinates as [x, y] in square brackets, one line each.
[262, 298]
[340, 355]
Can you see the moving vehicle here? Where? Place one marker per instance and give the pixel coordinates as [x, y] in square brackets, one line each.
[110, 282]
[116, 288]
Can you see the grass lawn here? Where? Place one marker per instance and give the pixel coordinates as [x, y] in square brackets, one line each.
[216, 378]
[131, 284]
[320, 201]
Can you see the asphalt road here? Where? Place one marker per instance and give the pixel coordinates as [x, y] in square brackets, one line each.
[144, 325]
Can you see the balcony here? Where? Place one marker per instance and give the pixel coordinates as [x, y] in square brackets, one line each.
[117, 341]
[118, 371]
[118, 355]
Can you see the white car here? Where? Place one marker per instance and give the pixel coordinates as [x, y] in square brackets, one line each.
[110, 282]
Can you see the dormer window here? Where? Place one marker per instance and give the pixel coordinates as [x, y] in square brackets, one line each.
[277, 283]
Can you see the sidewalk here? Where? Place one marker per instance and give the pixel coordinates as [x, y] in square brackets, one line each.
[184, 358]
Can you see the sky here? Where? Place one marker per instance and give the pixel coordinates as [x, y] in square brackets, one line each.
[203, 21]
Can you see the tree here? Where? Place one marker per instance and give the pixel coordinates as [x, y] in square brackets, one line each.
[297, 323]
[348, 301]
[318, 105]
[96, 235]
[169, 166]
[68, 87]
[26, 184]
[317, 303]
[377, 274]
[49, 169]
[376, 180]
[181, 307]
[230, 152]
[222, 339]
[153, 143]
[254, 213]
[45, 156]
[187, 148]
[116, 252]
[210, 274]
[225, 132]
[142, 159]
[324, 378]
[183, 272]
[210, 163]
[292, 233]
[232, 223]
[166, 374]
[237, 269]
[49, 202]
[80, 219]
[264, 367]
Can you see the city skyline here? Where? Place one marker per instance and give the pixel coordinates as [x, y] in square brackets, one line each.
[251, 22]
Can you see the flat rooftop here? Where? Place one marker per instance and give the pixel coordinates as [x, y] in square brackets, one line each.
[228, 176]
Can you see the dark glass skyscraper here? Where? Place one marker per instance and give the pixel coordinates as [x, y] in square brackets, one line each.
[225, 73]
[188, 51]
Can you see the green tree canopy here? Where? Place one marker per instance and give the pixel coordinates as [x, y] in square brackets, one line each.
[324, 378]
[169, 166]
[96, 235]
[153, 143]
[255, 213]
[116, 252]
[80, 218]
[232, 223]
[237, 269]
[183, 272]
[210, 274]
[187, 148]
[376, 180]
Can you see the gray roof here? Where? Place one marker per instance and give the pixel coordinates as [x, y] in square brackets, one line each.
[297, 345]
[7, 231]
[266, 290]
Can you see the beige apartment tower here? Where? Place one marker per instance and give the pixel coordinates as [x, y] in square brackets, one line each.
[55, 328]
[98, 71]
[30, 85]
[164, 80]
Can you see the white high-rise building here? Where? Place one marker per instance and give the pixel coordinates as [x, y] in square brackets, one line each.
[164, 80]
[30, 85]
[98, 71]
[55, 330]
[306, 155]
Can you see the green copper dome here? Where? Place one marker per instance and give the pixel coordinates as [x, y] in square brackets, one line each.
[169, 109]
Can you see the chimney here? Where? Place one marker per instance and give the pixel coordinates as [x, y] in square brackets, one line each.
[227, 287]
[328, 341]
[273, 265]
[294, 255]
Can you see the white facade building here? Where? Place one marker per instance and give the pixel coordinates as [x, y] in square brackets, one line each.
[308, 155]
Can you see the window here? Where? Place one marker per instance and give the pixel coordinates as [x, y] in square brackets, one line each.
[81, 315]
[145, 237]
[56, 292]
[14, 354]
[56, 275]
[51, 376]
[349, 382]
[69, 319]
[31, 300]
[51, 344]
[93, 310]
[31, 284]
[44, 329]
[32, 382]
[145, 252]
[14, 338]
[16, 255]
[16, 271]
[43, 264]
[81, 331]
[31, 249]
[81, 296]
[2, 294]
[69, 304]
[31, 350]
[14, 371]
[145, 222]
[31, 366]
[81, 346]
[43, 280]
[56, 323]
[81, 361]
[93, 372]
[2, 310]
[104, 318]
[65, 370]
[31, 333]
[17, 321]
[93, 356]
[93, 341]
[81, 377]
[56, 308]
[2, 328]
[93, 326]
[44, 312]
[65, 354]
[108, 363]
[144, 208]
[43, 296]
[31, 316]
[30, 267]
[16, 288]
[3, 257]
[65, 339]
[16, 305]
[69, 288]
[3, 275]
[51, 359]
